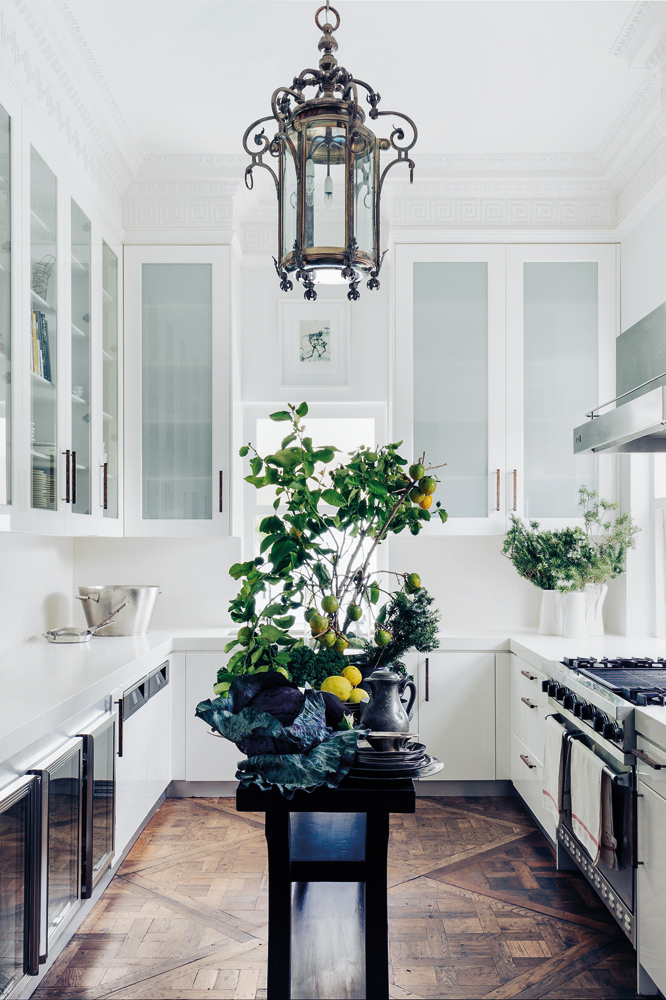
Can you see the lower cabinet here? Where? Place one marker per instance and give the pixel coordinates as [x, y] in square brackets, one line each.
[457, 713]
[651, 887]
[207, 757]
[529, 708]
[144, 769]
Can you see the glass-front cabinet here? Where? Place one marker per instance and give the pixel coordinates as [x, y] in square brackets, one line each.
[450, 379]
[5, 313]
[43, 353]
[80, 453]
[500, 352]
[177, 399]
[110, 464]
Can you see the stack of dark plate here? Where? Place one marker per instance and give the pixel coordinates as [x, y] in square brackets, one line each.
[407, 760]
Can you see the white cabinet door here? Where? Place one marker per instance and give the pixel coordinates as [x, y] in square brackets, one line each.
[457, 713]
[207, 757]
[159, 760]
[450, 378]
[560, 361]
[132, 776]
[651, 889]
[177, 319]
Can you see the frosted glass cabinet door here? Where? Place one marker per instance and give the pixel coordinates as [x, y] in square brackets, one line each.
[450, 375]
[81, 387]
[176, 297]
[560, 311]
[5, 313]
[110, 385]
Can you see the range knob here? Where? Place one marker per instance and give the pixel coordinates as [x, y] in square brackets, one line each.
[560, 693]
[598, 721]
[552, 689]
[618, 735]
[586, 712]
[545, 685]
[570, 701]
[608, 730]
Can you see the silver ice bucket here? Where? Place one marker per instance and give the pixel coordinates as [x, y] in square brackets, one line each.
[134, 619]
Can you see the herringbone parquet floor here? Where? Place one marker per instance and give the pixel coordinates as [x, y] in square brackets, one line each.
[476, 910]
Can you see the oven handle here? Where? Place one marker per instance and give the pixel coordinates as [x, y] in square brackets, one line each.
[650, 761]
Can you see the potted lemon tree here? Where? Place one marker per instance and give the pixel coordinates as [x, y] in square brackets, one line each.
[315, 564]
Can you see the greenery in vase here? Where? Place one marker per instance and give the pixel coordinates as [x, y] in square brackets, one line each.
[569, 558]
[316, 554]
[412, 623]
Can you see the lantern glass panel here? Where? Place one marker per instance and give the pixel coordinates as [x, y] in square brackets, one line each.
[325, 194]
[364, 195]
[289, 196]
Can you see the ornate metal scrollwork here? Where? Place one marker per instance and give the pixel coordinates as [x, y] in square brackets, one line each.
[305, 128]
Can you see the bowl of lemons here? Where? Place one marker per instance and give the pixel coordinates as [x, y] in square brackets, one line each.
[345, 687]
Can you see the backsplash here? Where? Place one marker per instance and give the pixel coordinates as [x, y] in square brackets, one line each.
[641, 352]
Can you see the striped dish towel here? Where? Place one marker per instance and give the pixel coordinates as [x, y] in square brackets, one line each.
[553, 769]
[586, 773]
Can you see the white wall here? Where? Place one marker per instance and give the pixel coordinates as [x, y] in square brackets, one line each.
[35, 586]
[260, 350]
[643, 267]
[193, 574]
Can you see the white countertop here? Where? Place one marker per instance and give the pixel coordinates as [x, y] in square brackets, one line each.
[43, 684]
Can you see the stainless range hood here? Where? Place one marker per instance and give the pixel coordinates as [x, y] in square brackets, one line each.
[634, 425]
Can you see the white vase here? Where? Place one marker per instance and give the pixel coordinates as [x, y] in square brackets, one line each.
[594, 614]
[550, 618]
[574, 614]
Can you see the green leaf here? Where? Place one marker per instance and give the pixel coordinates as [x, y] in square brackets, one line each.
[302, 410]
[355, 643]
[256, 465]
[289, 438]
[373, 592]
[229, 646]
[377, 488]
[381, 617]
[285, 622]
[325, 455]
[236, 660]
[243, 451]
[281, 415]
[443, 515]
[270, 632]
[334, 498]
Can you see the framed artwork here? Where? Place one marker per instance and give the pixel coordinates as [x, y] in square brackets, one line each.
[314, 343]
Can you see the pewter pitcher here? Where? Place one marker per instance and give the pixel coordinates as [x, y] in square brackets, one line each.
[384, 713]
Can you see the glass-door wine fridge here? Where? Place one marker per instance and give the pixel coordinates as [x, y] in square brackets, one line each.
[19, 883]
[99, 800]
[61, 776]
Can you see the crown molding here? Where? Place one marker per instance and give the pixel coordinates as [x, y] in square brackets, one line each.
[32, 60]
[640, 16]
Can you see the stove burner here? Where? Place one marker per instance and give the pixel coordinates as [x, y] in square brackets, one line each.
[641, 680]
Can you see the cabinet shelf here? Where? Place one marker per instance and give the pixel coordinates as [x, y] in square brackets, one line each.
[42, 454]
[41, 225]
[107, 356]
[41, 383]
[42, 302]
[78, 332]
[79, 399]
[79, 265]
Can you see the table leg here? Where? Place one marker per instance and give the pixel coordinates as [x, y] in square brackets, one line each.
[279, 906]
[376, 907]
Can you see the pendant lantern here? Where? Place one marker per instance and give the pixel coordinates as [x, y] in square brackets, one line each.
[328, 176]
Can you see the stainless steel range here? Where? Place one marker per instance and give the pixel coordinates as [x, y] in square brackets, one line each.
[594, 700]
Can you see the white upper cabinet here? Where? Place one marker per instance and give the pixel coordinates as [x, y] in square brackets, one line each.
[6, 304]
[500, 351]
[177, 313]
[450, 381]
[561, 330]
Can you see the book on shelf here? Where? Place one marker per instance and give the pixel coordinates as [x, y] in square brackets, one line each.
[41, 353]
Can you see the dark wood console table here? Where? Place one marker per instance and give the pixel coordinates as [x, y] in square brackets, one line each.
[328, 936]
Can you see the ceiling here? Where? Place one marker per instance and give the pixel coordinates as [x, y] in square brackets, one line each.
[478, 77]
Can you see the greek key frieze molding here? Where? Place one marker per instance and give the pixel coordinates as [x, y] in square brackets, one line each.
[34, 69]
[538, 210]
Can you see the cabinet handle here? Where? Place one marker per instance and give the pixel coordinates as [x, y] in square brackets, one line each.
[427, 691]
[650, 761]
[515, 489]
[530, 677]
[530, 704]
[497, 474]
[66, 497]
[221, 491]
[73, 477]
[121, 740]
[526, 761]
[105, 486]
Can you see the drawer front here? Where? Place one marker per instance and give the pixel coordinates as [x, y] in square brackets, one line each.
[528, 719]
[529, 678]
[527, 778]
[654, 778]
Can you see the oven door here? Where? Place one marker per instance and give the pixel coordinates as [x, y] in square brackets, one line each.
[615, 886]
